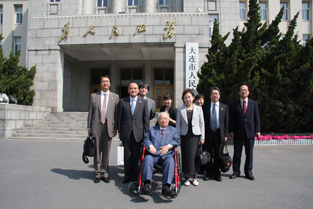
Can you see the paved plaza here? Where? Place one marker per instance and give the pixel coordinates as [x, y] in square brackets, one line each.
[51, 174]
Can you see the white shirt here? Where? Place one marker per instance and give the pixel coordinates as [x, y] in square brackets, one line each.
[143, 97]
[241, 102]
[169, 145]
[217, 109]
[107, 100]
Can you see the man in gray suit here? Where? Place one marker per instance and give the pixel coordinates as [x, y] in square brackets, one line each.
[143, 91]
[101, 123]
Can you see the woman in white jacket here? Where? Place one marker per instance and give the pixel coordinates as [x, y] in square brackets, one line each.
[190, 127]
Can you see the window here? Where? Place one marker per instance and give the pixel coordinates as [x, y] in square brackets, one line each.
[212, 5]
[19, 14]
[17, 44]
[1, 15]
[132, 2]
[102, 3]
[285, 16]
[304, 38]
[242, 10]
[54, 0]
[164, 2]
[263, 11]
[305, 11]
[211, 24]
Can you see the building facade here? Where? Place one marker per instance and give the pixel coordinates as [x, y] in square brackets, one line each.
[163, 42]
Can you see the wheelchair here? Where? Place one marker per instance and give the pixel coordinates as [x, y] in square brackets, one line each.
[136, 187]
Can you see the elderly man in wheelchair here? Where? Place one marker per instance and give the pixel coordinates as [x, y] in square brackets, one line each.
[159, 142]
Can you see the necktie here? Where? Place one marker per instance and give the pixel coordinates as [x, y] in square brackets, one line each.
[104, 109]
[244, 108]
[162, 133]
[214, 119]
[133, 106]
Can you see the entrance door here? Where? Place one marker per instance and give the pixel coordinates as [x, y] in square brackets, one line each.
[96, 73]
[163, 84]
[159, 92]
[129, 75]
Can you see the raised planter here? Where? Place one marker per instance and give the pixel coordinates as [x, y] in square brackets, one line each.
[283, 142]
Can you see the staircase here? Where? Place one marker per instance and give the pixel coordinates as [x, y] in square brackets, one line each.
[61, 126]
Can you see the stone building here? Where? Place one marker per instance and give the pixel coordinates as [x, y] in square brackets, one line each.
[163, 42]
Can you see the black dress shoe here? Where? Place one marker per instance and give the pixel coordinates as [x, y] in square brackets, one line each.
[125, 181]
[219, 179]
[250, 178]
[234, 176]
[106, 180]
[166, 191]
[146, 189]
[206, 178]
[96, 180]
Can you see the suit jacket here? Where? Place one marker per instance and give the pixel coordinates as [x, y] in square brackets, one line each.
[241, 125]
[197, 121]
[153, 137]
[223, 120]
[172, 111]
[151, 107]
[139, 122]
[94, 115]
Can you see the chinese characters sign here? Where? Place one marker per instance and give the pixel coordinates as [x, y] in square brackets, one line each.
[192, 65]
[169, 29]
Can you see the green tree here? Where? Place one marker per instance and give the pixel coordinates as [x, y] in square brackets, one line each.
[16, 80]
[278, 72]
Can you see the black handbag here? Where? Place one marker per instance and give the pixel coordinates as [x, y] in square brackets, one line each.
[225, 160]
[203, 156]
[89, 148]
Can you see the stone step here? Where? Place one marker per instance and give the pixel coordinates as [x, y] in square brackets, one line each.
[54, 138]
[65, 131]
[47, 135]
[51, 128]
[58, 125]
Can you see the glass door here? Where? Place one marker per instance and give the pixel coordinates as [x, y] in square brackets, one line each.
[96, 73]
[163, 84]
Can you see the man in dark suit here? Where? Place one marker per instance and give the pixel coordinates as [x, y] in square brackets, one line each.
[132, 124]
[159, 142]
[101, 124]
[216, 131]
[244, 125]
[143, 91]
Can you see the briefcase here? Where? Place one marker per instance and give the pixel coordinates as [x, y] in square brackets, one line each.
[225, 160]
[89, 148]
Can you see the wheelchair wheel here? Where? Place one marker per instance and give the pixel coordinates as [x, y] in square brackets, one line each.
[133, 187]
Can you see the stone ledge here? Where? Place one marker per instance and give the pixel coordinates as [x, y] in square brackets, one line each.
[16, 116]
[176, 14]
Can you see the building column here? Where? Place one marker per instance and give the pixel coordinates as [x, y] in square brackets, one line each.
[179, 74]
[117, 6]
[87, 7]
[149, 6]
[48, 81]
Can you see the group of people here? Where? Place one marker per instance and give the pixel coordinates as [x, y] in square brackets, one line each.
[189, 126]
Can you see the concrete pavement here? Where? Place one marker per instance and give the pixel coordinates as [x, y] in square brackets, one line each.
[51, 174]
